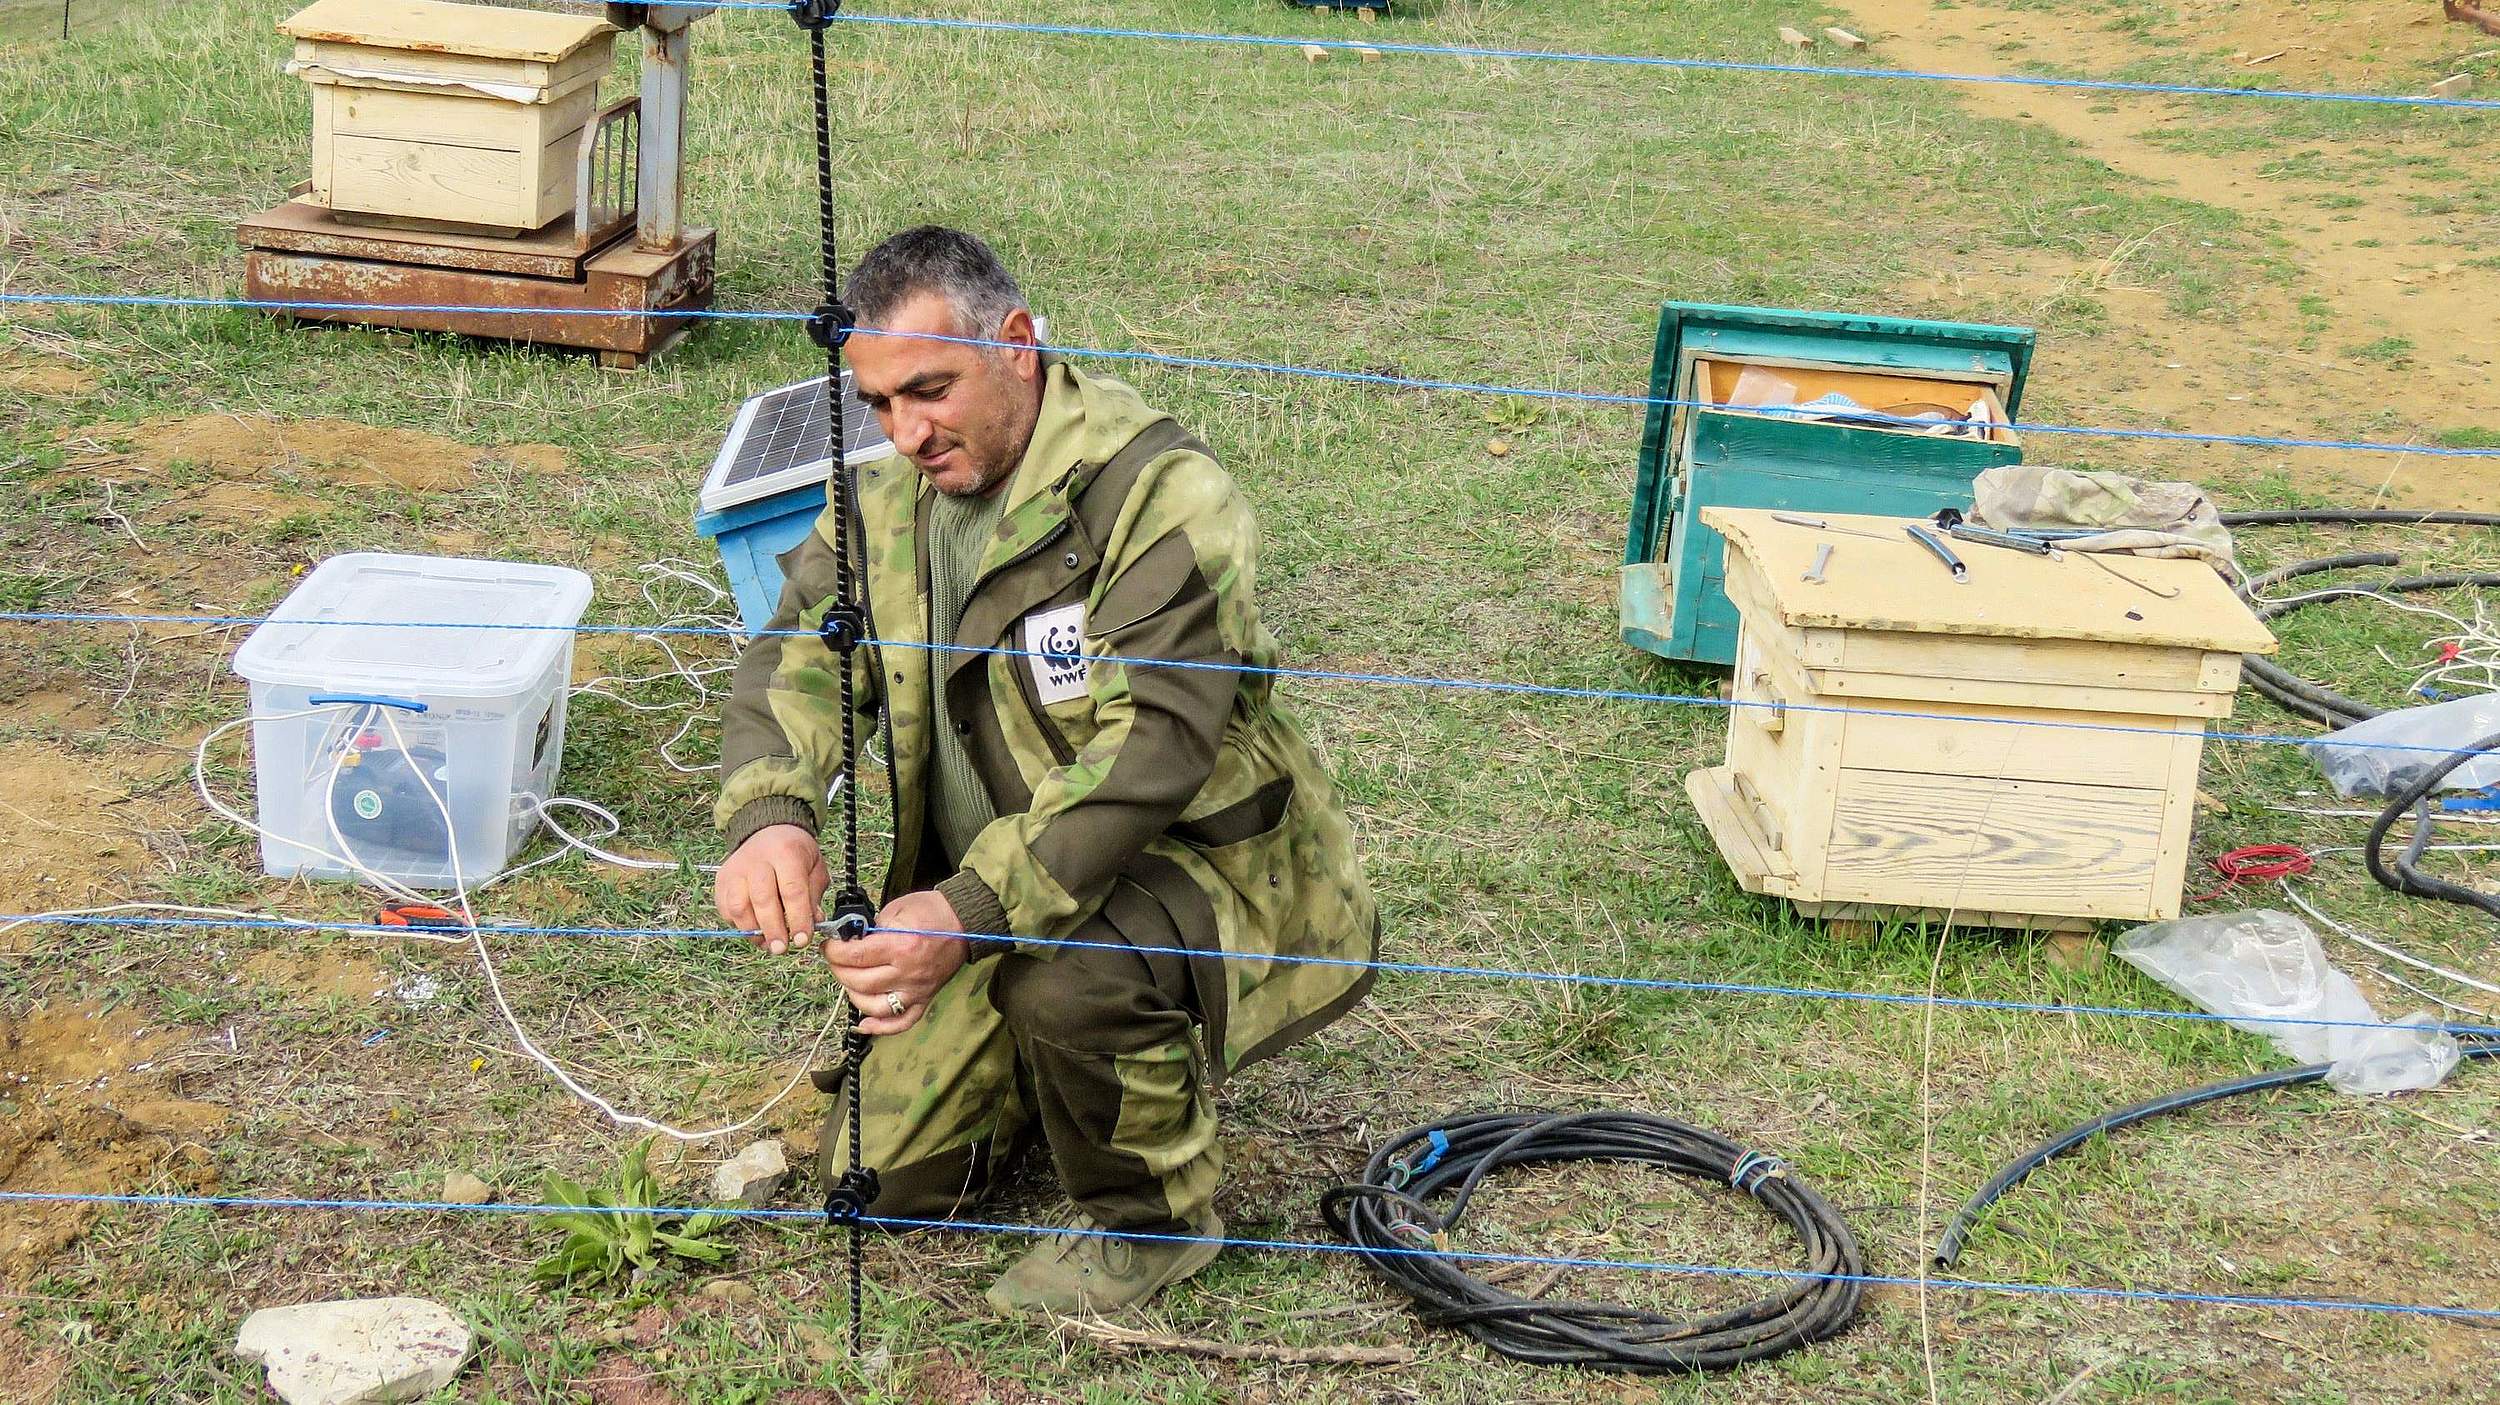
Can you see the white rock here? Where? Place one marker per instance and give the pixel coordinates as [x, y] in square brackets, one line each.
[752, 1176]
[358, 1351]
[461, 1188]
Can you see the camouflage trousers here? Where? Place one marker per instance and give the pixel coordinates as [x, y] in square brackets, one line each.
[1098, 1046]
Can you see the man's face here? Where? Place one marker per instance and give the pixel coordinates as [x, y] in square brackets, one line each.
[963, 413]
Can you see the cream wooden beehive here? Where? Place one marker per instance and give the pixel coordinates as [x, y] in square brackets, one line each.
[462, 115]
[1835, 800]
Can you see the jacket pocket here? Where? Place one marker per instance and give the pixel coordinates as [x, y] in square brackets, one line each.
[1241, 821]
[1253, 845]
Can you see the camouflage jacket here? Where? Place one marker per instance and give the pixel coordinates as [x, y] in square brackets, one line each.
[1121, 537]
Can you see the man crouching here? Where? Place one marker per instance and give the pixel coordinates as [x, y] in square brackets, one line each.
[1118, 844]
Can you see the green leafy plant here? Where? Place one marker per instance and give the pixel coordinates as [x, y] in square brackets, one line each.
[614, 1231]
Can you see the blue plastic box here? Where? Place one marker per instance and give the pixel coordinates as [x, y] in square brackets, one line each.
[767, 485]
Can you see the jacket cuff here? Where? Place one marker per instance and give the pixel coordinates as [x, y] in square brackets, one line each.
[979, 912]
[764, 811]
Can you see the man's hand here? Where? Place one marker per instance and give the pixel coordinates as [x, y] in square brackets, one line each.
[774, 886]
[887, 968]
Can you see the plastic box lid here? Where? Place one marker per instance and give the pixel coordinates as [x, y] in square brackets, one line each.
[398, 595]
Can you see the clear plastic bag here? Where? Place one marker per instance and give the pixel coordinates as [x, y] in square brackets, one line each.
[2264, 965]
[2438, 729]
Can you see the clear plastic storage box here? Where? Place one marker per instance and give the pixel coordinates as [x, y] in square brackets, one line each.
[363, 720]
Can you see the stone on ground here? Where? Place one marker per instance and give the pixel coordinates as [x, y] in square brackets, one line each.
[357, 1351]
[753, 1176]
[461, 1188]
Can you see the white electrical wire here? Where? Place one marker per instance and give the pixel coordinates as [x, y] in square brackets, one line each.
[694, 676]
[512, 1020]
[2396, 980]
[466, 914]
[2383, 949]
[716, 613]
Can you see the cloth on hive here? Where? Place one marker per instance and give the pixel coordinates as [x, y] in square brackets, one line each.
[2139, 517]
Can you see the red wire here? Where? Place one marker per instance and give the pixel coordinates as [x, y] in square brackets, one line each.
[2257, 862]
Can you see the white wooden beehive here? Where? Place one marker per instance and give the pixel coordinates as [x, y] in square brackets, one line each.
[465, 115]
[1833, 798]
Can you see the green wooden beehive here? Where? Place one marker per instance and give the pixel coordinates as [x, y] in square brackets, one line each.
[1722, 449]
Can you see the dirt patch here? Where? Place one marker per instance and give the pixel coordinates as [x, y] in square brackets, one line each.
[70, 826]
[30, 1374]
[240, 508]
[252, 448]
[84, 1107]
[29, 375]
[946, 1381]
[618, 1381]
[311, 977]
[2391, 271]
[550, 460]
[651, 1326]
[66, 708]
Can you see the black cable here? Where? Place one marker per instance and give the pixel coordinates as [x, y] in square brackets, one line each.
[2314, 701]
[2401, 875]
[1949, 1247]
[1391, 1208]
[2288, 690]
[2355, 516]
[2351, 560]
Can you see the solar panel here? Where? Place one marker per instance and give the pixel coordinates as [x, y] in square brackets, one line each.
[778, 443]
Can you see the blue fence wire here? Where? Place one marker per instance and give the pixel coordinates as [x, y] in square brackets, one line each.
[1661, 984]
[1691, 65]
[1303, 1246]
[1382, 379]
[1323, 675]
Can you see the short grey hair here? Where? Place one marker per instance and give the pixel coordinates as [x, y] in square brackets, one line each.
[931, 258]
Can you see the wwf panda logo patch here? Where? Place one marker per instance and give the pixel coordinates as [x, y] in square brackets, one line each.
[1054, 644]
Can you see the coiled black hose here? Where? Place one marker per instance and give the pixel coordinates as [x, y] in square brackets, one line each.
[1390, 1210]
[1949, 1247]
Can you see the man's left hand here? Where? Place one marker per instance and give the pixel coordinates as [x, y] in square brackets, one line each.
[879, 968]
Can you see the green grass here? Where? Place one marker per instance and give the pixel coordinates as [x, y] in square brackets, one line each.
[1485, 221]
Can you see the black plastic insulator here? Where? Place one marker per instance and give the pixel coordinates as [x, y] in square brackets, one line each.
[852, 916]
[815, 14]
[850, 1197]
[844, 627]
[830, 324]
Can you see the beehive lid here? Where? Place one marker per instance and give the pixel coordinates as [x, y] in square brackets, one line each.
[1894, 584]
[428, 26]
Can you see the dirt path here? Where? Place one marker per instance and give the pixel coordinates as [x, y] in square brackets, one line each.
[2386, 268]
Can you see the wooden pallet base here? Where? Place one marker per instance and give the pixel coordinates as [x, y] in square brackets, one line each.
[614, 300]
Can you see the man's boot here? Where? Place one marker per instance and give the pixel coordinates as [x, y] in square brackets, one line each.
[1086, 1269]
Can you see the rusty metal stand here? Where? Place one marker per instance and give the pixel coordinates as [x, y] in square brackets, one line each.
[606, 280]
